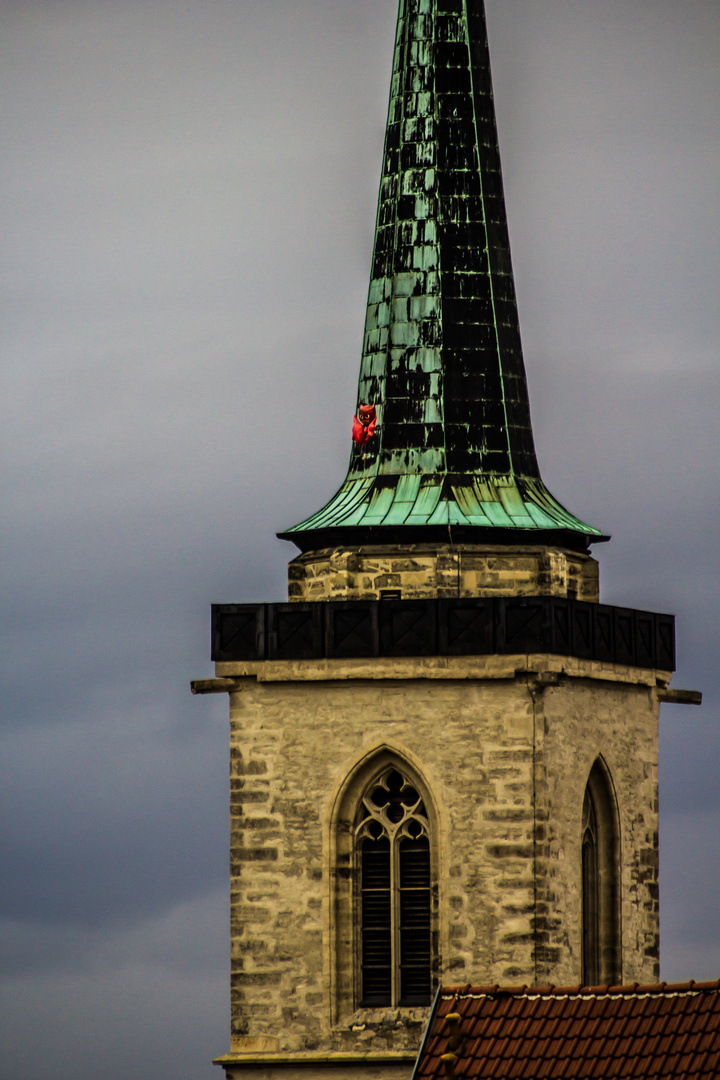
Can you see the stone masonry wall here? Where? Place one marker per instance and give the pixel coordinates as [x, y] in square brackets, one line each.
[505, 751]
[580, 723]
[430, 570]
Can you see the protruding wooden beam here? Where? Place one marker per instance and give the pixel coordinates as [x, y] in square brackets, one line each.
[213, 686]
[680, 697]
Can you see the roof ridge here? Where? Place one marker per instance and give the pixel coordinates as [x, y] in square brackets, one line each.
[610, 990]
[640, 1030]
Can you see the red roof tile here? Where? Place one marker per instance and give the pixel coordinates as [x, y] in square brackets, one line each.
[572, 1032]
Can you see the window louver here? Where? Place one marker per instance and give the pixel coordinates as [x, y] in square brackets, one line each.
[376, 922]
[415, 958]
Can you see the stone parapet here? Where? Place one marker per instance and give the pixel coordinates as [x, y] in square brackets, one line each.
[423, 571]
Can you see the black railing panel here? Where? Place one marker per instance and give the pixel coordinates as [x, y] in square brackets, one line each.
[582, 638]
[562, 628]
[238, 632]
[295, 631]
[527, 628]
[624, 635]
[352, 629]
[644, 639]
[603, 647]
[466, 627]
[408, 627]
[665, 642]
[447, 627]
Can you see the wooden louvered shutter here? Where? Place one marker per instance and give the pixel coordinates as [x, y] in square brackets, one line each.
[376, 923]
[415, 945]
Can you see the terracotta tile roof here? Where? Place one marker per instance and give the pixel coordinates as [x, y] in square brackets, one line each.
[574, 1033]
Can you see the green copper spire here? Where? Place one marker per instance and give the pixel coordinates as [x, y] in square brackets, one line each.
[442, 360]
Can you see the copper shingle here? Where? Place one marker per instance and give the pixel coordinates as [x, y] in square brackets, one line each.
[572, 1032]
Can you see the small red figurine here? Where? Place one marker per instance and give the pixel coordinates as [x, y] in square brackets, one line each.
[364, 424]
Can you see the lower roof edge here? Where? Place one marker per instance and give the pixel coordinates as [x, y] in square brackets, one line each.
[361, 535]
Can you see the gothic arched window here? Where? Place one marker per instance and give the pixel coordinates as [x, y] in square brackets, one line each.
[590, 927]
[383, 887]
[392, 843]
[600, 880]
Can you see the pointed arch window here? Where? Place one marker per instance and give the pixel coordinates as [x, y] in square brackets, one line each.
[393, 856]
[600, 880]
[590, 923]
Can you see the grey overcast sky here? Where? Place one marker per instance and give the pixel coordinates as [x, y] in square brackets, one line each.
[187, 199]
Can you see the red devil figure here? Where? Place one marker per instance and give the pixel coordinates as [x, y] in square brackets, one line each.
[364, 424]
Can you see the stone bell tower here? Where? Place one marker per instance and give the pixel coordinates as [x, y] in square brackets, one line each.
[443, 747]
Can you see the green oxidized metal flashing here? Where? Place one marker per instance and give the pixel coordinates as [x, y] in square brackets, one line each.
[453, 454]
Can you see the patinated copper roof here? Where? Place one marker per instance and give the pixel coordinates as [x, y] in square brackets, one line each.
[573, 1033]
[442, 358]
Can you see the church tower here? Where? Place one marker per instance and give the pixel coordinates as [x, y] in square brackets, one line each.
[444, 748]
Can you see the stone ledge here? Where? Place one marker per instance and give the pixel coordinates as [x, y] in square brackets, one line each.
[541, 666]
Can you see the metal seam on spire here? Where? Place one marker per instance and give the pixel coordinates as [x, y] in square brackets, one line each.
[487, 239]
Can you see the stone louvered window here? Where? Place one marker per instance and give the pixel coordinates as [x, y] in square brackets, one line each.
[600, 877]
[392, 843]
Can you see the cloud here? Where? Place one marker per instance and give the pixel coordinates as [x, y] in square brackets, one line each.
[119, 817]
[142, 1001]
